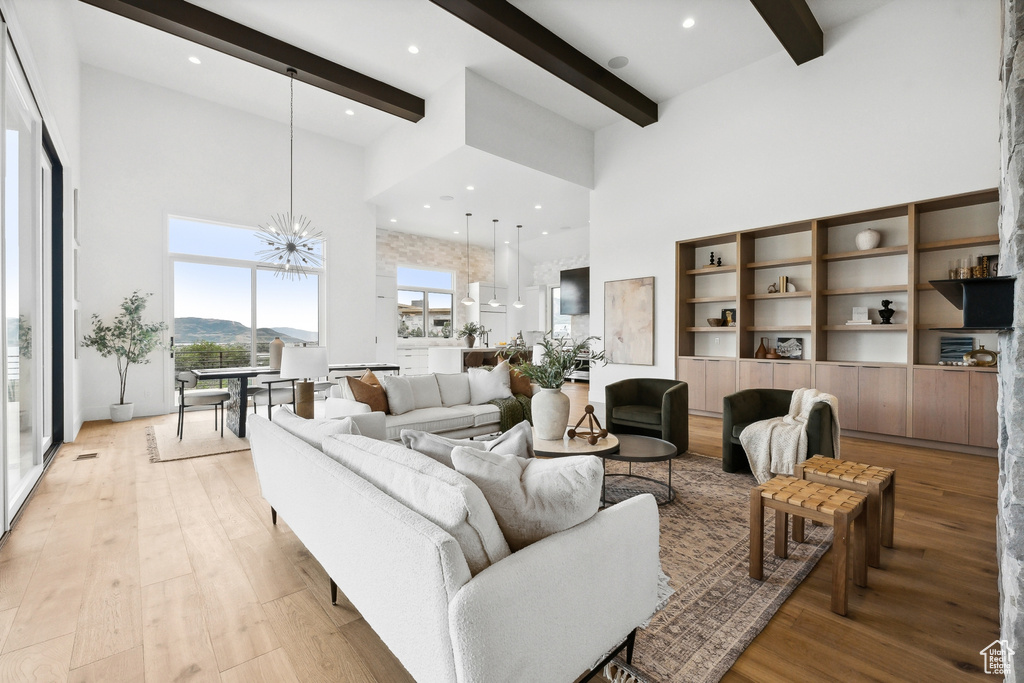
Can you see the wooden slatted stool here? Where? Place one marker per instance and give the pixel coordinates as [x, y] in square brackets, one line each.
[841, 508]
[879, 483]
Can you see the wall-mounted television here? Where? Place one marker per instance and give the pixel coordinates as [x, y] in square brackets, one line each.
[575, 292]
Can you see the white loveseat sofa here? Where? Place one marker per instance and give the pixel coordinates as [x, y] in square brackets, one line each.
[547, 612]
[444, 408]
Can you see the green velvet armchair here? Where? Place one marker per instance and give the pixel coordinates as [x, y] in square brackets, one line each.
[753, 405]
[650, 407]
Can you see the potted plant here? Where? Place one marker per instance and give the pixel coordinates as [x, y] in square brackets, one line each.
[470, 331]
[130, 340]
[550, 407]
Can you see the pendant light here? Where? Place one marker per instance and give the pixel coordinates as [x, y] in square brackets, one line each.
[290, 239]
[469, 301]
[519, 299]
[494, 303]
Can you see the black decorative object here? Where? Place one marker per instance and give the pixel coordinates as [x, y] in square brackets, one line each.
[886, 313]
[712, 261]
[719, 261]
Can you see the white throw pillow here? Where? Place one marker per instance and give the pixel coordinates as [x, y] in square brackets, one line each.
[400, 396]
[442, 495]
[425, 393]
[487, 385]
[516, 441]
[534, 498]
[454, 388]
[313, 431]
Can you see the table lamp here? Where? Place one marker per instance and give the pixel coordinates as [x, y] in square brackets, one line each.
[304, 364]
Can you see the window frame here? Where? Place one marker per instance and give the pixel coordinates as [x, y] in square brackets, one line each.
[426, 291]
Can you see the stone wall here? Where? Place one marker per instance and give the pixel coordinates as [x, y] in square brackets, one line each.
[1010, 521]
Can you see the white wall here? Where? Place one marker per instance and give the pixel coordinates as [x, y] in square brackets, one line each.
[148, 152]
[903, 106]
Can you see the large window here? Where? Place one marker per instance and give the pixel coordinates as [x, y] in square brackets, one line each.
[228, 306]
[425, 302]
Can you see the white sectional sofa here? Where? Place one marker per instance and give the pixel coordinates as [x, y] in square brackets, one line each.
[547, 612]
[447, 409]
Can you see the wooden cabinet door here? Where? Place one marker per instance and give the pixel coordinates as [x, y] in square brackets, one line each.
[791, 375]
[691, 371]
[941, 404]
[882, 404]
[756, 374]
[983, 427]
[841, 382]
[720, 376]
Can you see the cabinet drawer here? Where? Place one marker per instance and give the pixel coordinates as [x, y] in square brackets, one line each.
[756, 374]
[883, 400]
[941, 404]
[791, 375]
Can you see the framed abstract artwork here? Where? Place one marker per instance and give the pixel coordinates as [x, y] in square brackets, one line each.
[629, 321]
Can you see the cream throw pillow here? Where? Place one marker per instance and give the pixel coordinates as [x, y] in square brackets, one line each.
[313, 431]
[516, 441]
[425, 393]
[454, 388]
[442, 495]
[399, 393]
[534, 498]
[487, 385]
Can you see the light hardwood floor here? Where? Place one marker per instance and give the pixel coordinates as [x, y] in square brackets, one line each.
[123, 570]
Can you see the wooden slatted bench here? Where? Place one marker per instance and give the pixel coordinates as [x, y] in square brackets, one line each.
[879, 483]
[843, 509]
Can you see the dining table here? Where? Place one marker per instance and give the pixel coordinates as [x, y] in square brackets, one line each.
[238, 385]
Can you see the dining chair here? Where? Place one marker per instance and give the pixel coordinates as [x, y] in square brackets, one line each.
[266, 394]
[189, 396]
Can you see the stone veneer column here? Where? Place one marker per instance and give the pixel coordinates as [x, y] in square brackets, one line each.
[1010, 515]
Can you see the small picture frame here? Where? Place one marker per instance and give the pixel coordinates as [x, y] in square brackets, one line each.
[993, 265]
[729, 316]
[790, 347]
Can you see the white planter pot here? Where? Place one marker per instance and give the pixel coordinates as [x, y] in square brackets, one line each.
[121, 412]
[868, 239]
[550, 408]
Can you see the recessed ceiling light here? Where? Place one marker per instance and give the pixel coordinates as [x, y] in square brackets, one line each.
[195, 60]
[506, 241]
[350, 112]
[426, 206]
[688, 22]
[545, 232]
[446, 198]
[414, 50]
[470, 187]
[618, 62]
[394, 220]
[455, 232]
[537, 206]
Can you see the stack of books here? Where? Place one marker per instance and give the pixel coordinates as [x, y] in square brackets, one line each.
[860, 316]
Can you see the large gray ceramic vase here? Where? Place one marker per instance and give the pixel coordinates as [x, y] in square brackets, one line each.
[550, 408]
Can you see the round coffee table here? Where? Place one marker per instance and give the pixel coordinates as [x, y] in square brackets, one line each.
[634, 448]
[565, 446]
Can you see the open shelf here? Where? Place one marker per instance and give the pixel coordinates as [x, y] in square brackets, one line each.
[712, 300]
[959, 243]
[866, 328]
[866, 253]
[778, 328]
[783, 295]
[711, 271]
[878, 289]
[710, 329]
[780, 263]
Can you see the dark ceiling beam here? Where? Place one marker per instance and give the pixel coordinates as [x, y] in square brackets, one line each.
[795, 26]
[519, 32]
[216, 32]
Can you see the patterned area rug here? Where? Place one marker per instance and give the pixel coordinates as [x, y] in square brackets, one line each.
[717, 609]
[200, 440]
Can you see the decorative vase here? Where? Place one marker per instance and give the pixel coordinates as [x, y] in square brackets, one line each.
[886, 313]
[121, 412]
[762, 351]
[868, 239]
[470, 340]
[276, 349]
[550, 409]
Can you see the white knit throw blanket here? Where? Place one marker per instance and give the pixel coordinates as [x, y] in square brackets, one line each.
[776, 445]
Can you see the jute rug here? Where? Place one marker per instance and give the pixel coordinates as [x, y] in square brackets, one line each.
[200, 440]
[717, 609]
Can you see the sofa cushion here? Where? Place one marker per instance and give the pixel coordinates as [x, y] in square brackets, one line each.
[533, 498]
[486, 414]
[487, 385]
[445, 497]
[516, 441]
[370, 378]
[313, 431]
[454, 388]
[649, 415]
[429, 420]
[425, 393]
[373, 396]
[400, 397]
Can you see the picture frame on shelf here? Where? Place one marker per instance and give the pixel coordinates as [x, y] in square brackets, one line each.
[993, 265]
[790, 347]
[729, 316]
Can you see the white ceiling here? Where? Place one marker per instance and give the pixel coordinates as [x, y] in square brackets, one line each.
[372, 36]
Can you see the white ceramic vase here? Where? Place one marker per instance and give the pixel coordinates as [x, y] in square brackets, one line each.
[121, 412]
[550, 408]
[868, 239]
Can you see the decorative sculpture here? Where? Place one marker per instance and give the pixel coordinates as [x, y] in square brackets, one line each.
[594, 430]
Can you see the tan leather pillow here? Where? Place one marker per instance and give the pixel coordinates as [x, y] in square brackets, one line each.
[519, 383]
[371, 395]
[370, 378]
